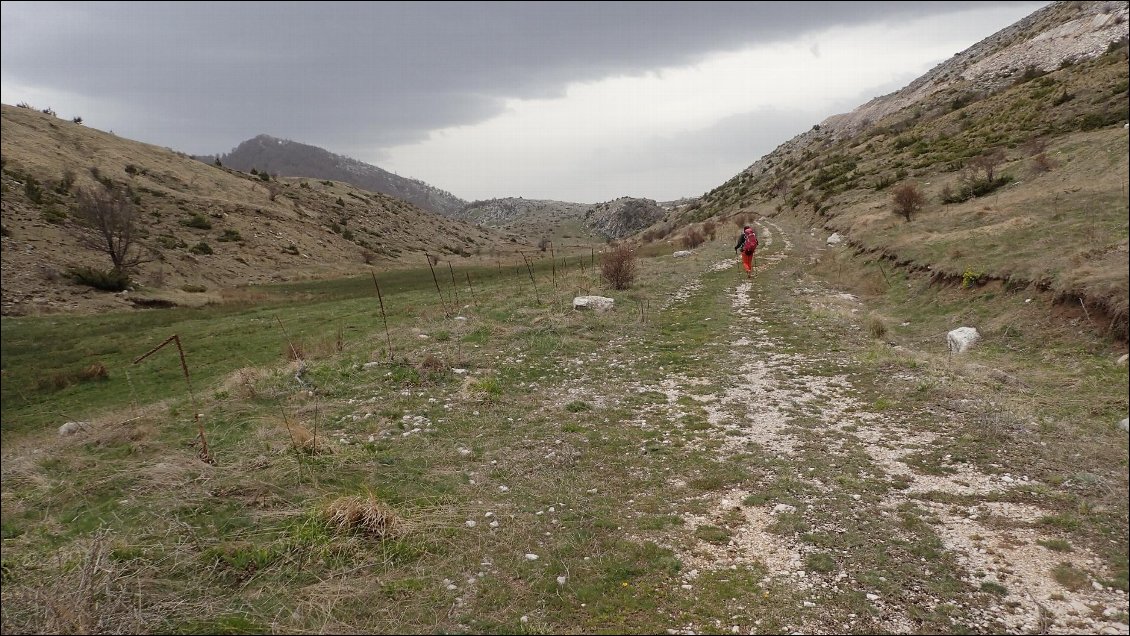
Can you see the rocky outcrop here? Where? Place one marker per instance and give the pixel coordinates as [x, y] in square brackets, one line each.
[623, 217]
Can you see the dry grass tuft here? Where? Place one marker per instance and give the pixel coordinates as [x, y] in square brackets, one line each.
[876, 327]
[365, 515]
[244, 383]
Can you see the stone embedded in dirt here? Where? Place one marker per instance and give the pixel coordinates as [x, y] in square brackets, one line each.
[531, 557]
[682, 253]
[596, 303]
[1124, 424]
[1123, 358]
[961, 339]
[70, 428]
[783, 508]
[835, 239]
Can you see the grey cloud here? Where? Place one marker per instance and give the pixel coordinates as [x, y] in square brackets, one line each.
[202, 77]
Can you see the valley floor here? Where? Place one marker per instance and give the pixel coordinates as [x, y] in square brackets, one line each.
[741, 456]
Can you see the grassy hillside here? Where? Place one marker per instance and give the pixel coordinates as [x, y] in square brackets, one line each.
[209, 227]
[1055, 217]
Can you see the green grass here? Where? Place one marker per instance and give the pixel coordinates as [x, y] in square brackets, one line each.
[558, 426]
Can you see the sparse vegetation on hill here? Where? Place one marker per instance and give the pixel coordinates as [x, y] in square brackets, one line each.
[1022, 178]
[265, 155]
[203, 224]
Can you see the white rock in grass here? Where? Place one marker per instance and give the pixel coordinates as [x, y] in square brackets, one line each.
[682, 254]
[470, 523]
[504, 489]
[525, 619]
[835, 239]
[961, 339]
[70, 428]
[561, 580]
[494, 524]
[595, 303]
[1124, 424]
[872, 597]
[531, 557]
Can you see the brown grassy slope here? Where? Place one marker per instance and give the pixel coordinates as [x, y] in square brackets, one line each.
[287, 229]
[1063, 229]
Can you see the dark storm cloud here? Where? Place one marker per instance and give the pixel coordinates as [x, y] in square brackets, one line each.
[201, 77]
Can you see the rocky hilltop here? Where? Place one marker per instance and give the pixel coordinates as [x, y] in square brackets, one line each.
[282, 157]
[623, 217]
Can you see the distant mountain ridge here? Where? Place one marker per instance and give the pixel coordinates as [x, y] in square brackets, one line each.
[288, 158]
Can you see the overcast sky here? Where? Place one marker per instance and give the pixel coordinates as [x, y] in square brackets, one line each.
[570, 101]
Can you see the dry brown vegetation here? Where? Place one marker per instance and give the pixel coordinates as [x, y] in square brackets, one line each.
[256, 231]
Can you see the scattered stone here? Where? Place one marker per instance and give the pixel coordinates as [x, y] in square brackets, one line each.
[961, 339]
[459, 371]
[598, 304]
[561, 580]
[70, 428]
[1124, 425]
[370, 365]
[835, 239]
[531, 557]
[470, 523]
[1122, 360]
[525, 619]
[872, 597]
[682, 253]
[783, 508]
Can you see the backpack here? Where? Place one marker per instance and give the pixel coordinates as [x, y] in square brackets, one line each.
[750, 244]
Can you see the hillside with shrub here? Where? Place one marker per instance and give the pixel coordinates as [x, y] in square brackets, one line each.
[1010, 161]
[200, 228]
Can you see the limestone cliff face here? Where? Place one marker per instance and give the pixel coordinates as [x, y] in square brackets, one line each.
[623, 217]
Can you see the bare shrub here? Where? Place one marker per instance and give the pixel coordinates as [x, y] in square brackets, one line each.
[710, 229]
[907, 199]
[988, 162]
[692, 238]
[108, 222]
[368, 256]
[618, 266]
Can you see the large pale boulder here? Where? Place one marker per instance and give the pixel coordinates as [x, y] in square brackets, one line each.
[961, 339]
[835, 239]
[595, 303]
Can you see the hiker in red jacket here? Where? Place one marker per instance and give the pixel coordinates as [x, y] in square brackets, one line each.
[747, 245]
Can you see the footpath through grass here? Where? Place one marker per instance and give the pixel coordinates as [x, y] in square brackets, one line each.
[716, 455]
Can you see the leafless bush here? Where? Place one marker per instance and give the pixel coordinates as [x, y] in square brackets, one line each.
[618, 266]
[108, 222]
[692, 238]
[710, 229]
[907, 199]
